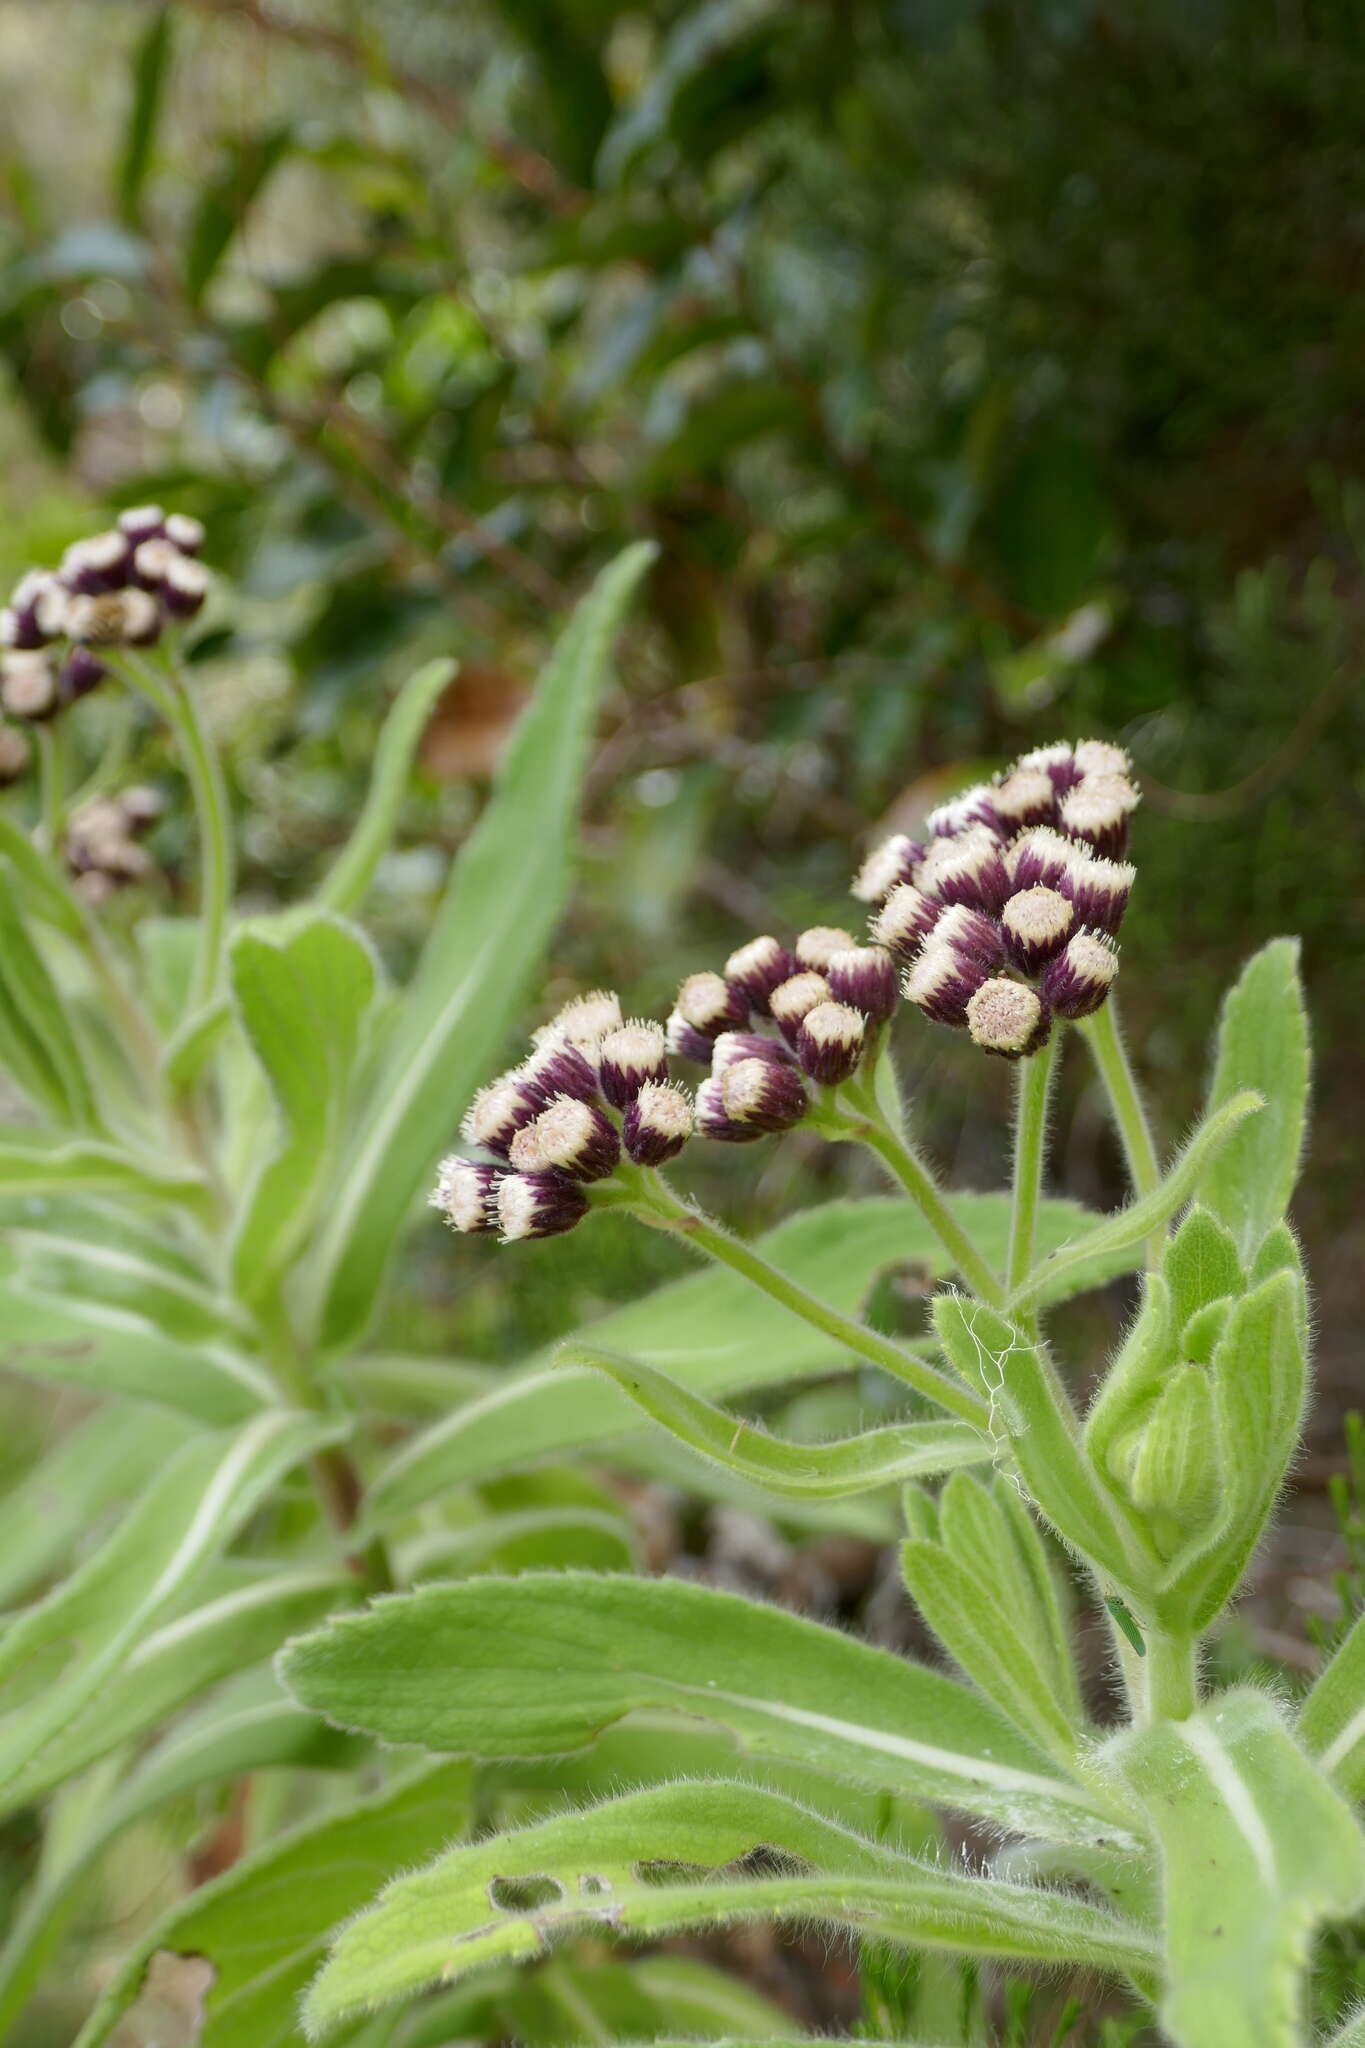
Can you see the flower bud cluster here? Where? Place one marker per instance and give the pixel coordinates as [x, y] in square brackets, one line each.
[102, 846]
[1006, 915]
[594, 1088]
[114, 589]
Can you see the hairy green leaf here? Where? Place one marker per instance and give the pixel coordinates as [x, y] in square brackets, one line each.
[351, 873]
[41, 1162]
[105, 1459]
[37, 1042]
[1262, 1044]
[1331, 1721]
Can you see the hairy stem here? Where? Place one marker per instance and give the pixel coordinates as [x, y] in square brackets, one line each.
[1032, 1089]
[1171, 1678]
[1101, 1034]
[659, 1206]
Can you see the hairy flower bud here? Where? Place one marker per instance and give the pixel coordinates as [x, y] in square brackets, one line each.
[1101, 757]
[92, 567]
[583, 1022]
[116, 618]
[1037, 923]
[557, 1068]
[817, 946]
[757, 968]
[628, 1058]
[706, 1005]
[792, 999]
[1076, 983]
[499, 1111]
[1024, 797]
[35, 614]
[571, 1136]
[657, 1124]
[99, 840]
[1100, 890]
[969, 869]
[761, 1096]
[466, 1194]
[538, 1205]
[733, 1046]
[184, 586]
[1058, 763]
[942, 980]
[965, 812]
[28, 686]
[895, 860]
[1041, 857]
[713, 1119]
[904, 921]
[1008, 1018]
[866, 977]
[185, 533]
[142, 522]
[830, 1042]
[14, 755]
[970, 934]
[1097, 810]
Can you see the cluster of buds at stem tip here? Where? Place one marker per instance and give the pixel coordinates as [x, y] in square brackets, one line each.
[593, 1090]
[1006, 915]
[116, 589]
[102, 848]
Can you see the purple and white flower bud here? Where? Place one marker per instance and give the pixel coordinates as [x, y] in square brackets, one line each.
[733, 1046]
[706, 1005]
[81, 672]
[1043, 857]
[184, 586]
[583, 1022]
[818, 945]
[830, 1042]
[466, 1194]
[35, 614]
[1058, 763]
[499, 1111]
[1097, 810]
[99, 841]
[1008, 1018]
[969, 869]
[14, 755]
[760, 1096]
[713, 1119]
[28, 686]
[1101, 757]
[101, 563]
[866, 978]
[1037, 923]
[1100, 890]
[756, 969]
[657, 1124]
[629, 1057]
[557, 1068]
[792, 999]
[963, 813]
[942, 981]
[538, 1205]
[142, 806]
[1076, 983]
[117, 618]
[142, 522]
[571, 1136]
[905, 921]
[185, 533]
[1024, 797]
[971, 934]
[895, 860]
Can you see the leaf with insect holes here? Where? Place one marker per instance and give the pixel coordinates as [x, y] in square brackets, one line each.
[1262, 1044]
[1257, 1848]
[302, 985]
[615, 1867]
[540, 1664]
[507, 887]
[263, 1926]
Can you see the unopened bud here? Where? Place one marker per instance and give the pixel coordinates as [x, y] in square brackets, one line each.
[866, 977]
[184, 586]
[1100, 889]
[1076, 983]
[969, 869]
[1101, 757]
[466, 1194]
[830, 1042]
[1026, 797]
[971, 934]
[101, 563]
[965, 812]
[35, 614]
[905, 920]
[185, 533]
[1037, 923]
[14, 755]
[1007, 1018]
[762, 1096]
[756, 969]
[1058, 763]
[790, 1002]
[895, 860]
[28, 686]
[557, 1068]
[1097, 810]
[628, 1058]
[942, 981]
[571, 1136]
[733, 1046]
[499, 1111]
[538, 1205]
[657, 1124]
[583, 1022]
[713, 1119]
[817, 946]
[142, 522]
[117, 618]
[1042, 857]
[706, 1005]
[81, 672]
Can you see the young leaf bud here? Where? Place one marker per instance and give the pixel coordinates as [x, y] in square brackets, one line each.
[792, 999]
[571, 1136]
[830, 1042]
[499, 1111]
[969, 869]
[1025, 797]
[866, 977]
[14, 755]
[733, 1046]
[185, 533]
[706, 1006]
[756, 969]
[628, 1058]
[584, 1022]
[657, 1124]
[1097, 810]
[538, 1205]
[466, 1194]
[971, 934]
[760, 1095]
[28, 686]
[1037, 923]
[942, 981]
[905, 921]
[1007, 1018]
[1076, 983]
[816, 947]
[713, 1119]
[895, 860]
[1100, 889]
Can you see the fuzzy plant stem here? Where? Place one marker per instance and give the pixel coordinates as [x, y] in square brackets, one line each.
[1107, 1049]
[1170, 1677]
[658, 1205]
[51, 786]
[1033, 1087]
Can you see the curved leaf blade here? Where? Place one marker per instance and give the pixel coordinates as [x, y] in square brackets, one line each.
[352, 872]
[1262, 1044]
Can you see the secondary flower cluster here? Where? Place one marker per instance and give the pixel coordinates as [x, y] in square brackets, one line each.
[115, 589]
[1006, 915]
[102, 842]
[596, 1086]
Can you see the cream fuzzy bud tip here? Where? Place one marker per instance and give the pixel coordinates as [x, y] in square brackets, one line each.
[1007, 1018]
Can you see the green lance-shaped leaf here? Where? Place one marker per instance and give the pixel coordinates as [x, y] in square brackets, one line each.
[608, 1869]
[37, 1043]
[51, 1162]
[151, 64]
[994, 1356]
[1257, 1848]
[711, 1332]
[1200, 1265]
[224, 201]
[1352, 2034]
[43, 891]
[818, 1471]
[507, 888]
[1331, 1721]
[1262, 1044]
[58, 1657]
[302, 985]
[991, 1532]
[89, 1250]
[263, 1926]
[1119, 1233]
[1134, 1379]
[351, 873]
[1259, 1375]
[102, 1461]
[540, 1664]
